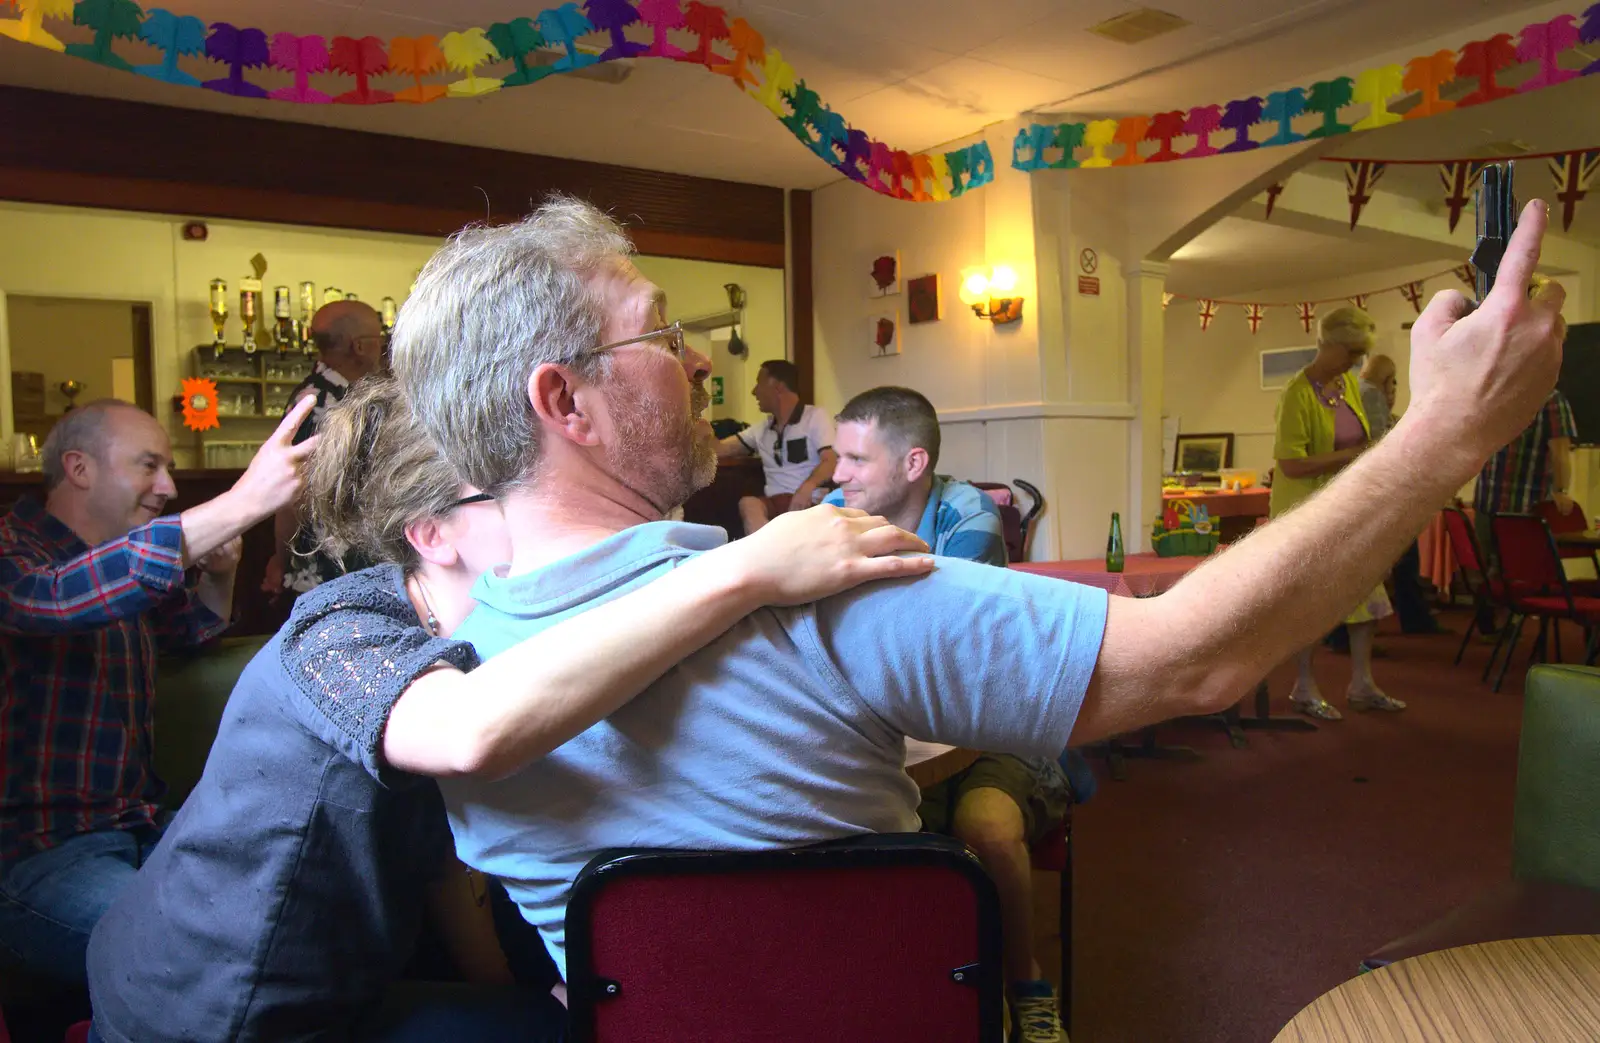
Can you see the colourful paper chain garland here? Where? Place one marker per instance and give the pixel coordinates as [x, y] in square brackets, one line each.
[1149, 138]
[761, 72]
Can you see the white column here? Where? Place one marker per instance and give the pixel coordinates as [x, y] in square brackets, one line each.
[1145, 281]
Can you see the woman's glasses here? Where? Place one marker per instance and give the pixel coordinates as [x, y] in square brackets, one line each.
[467, 501]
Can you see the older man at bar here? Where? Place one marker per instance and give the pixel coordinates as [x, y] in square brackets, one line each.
[540, 360]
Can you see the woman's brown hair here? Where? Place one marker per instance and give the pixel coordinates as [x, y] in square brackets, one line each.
[373, 474]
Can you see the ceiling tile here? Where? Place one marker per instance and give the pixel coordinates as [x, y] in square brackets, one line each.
[951, 26]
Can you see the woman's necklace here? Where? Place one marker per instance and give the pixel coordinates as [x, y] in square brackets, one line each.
[432, 622]
[1331, 399]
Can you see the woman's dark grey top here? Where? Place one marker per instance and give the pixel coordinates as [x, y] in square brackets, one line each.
[289, 890]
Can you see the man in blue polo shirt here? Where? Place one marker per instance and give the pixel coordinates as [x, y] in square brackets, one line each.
[542, 363]
[888, 444]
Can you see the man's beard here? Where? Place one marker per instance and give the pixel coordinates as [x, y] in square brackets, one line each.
[660, 455]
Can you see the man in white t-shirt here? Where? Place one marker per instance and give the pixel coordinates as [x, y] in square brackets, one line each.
[795, 444]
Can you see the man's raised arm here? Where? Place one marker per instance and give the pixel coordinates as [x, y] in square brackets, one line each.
[1477, 378]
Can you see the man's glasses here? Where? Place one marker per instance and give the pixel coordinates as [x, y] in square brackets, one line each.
[467, 501]
[671, 338]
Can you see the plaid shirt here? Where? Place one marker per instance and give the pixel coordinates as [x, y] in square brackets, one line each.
[80, 629]
[1520, 476]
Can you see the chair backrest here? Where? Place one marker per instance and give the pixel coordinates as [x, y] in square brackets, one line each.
[1015, 526]
[1575, 521]
[882, 939]
[1556, 830]
[1527, 554]
[1463, 541]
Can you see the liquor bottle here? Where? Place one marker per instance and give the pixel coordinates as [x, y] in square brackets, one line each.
[1114, 545]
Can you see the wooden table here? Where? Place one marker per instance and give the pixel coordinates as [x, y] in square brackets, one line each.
[1537, 989]
[931, 762]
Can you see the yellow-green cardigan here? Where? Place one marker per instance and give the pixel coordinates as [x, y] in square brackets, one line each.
[1305, 428]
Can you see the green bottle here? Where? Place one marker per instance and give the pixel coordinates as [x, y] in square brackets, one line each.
[1114, 545]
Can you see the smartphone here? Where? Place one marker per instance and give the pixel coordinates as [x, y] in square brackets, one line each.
[1497, 219]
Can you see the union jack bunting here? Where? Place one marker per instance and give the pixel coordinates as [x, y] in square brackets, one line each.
[1253, 314]
[1465, 273]
[1572, 173]
[1412, 291]
[1359, 300]
[1208, 311]
[1273, 192]
[1458, 177]
[1307, 310]
[1361, 180]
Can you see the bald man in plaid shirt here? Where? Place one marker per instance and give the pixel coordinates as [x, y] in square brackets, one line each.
[93, 586]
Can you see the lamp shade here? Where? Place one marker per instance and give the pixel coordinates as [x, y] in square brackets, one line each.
[974, 286]
[1003, 283]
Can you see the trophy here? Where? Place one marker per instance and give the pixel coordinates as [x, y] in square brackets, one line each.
[282, 324]
[351, 297]
[219, 315]
[308, 308]
[249, 309]
[332, 294]
[71, 389]
[388, 313]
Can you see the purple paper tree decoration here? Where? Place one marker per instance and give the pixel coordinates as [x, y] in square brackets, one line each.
[857, 153]
[613, 16]
[1543, 42]
[662, 16]
[303, 56]
[1239, 116]
[1589, 32]
[239, 49]
[175, 37]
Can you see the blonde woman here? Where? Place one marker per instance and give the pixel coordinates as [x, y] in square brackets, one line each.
[1321, 427]
[289, 891]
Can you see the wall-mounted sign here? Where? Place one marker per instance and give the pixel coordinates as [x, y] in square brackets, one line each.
[1088, 261]
[1089, 285]
[716, 391]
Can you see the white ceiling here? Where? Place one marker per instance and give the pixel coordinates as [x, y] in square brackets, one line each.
[915, 73]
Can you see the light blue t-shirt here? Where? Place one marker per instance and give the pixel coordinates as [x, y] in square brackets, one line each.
[787, 730]
[960, 521]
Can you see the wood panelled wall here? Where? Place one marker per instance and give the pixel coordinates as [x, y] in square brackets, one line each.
[80, 151]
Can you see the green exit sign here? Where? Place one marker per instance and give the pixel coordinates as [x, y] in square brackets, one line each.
[716, 391]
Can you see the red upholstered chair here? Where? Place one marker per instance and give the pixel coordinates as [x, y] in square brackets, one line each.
[1013, 523]
[1576, 521]
[1536, 584]
[879, 939]
[1473, 566]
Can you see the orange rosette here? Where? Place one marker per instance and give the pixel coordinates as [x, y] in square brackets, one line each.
[200, 404]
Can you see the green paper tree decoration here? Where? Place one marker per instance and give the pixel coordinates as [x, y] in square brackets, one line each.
[111, 20]
[1327, 97]
[515, 40]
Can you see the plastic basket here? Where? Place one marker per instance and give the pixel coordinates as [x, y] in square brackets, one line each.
[1185, 544]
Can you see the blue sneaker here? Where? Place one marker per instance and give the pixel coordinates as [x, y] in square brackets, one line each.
[1033, 1009]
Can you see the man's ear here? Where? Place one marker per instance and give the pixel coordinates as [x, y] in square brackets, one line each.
[78, 467]
[916, 463]
[553, 392]
[427, 539]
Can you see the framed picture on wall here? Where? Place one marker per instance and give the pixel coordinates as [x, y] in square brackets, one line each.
[922, 299]
[1279, 365]
[1209, 453]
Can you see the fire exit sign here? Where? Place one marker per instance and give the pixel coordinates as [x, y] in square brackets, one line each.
[716, 391]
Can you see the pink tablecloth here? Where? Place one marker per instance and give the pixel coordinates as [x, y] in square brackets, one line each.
[1433, 546]
[1143, 575]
